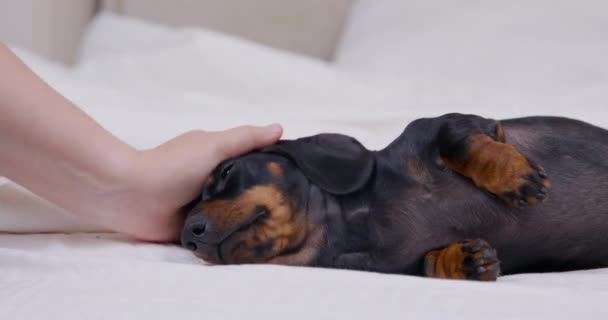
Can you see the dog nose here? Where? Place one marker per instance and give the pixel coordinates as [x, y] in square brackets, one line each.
[192, 233]
[198, 229]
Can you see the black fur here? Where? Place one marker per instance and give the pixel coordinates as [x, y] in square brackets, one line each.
[349, 162]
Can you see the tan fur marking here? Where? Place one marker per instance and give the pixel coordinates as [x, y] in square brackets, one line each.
[283, 228]
[494, 166]
[445, 263]
[500, 133]
[275, 169]
[449, 263]
[307, 252]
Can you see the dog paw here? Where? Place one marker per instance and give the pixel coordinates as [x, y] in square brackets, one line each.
[503, 171]
[525, 183]
[470, 260]
[480, 261]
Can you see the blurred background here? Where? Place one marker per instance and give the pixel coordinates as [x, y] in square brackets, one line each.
[55, 28]
[360, 67]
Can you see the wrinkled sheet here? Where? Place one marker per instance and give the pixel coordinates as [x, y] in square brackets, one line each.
[55, 266]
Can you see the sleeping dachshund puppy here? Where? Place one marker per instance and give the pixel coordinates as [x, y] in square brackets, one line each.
[446, 199]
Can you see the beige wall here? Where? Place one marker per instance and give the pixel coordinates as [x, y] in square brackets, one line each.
[311, 27]
[52, 28]
[16, 22]
[48, 27]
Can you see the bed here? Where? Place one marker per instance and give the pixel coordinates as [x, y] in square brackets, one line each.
[146, 79]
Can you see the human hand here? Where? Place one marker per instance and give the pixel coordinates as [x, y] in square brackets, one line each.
[54, 149]
[160, 181]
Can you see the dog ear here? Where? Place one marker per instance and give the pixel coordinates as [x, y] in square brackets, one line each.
[335, 163]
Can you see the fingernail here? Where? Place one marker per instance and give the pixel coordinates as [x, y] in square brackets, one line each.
[275, 128]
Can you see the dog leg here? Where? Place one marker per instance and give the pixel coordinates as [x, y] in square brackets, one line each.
[474, 147]
[470, 260]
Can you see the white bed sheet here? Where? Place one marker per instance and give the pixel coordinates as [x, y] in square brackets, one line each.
[86, 276]
[144, 98]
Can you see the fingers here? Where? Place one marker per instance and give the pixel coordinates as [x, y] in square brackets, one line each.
[239, 140]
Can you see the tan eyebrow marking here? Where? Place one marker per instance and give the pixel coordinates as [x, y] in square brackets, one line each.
[275, 169]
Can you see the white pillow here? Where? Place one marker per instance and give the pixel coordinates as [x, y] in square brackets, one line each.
[144, 57]
[544, 46]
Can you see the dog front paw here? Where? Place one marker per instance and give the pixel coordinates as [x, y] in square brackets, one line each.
[470, 260]
[528, 185]
[502, 170]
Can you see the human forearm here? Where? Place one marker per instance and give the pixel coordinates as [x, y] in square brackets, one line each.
[50, 146]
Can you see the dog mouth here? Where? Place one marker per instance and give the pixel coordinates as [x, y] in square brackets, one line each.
[216, 252]
[260, 214]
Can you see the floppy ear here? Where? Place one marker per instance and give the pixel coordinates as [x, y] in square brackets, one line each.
[335, 163]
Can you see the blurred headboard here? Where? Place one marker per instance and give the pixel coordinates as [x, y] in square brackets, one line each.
[54, 28]
[311, 27]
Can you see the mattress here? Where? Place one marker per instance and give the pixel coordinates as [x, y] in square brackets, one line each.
[147, 83]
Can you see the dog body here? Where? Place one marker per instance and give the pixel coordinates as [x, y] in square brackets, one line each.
[416, 206]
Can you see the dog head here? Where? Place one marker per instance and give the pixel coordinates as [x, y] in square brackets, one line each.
[255, 208]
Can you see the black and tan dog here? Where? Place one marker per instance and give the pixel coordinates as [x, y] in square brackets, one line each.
[416, 206]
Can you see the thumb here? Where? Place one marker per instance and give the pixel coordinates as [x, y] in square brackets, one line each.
[239, 140]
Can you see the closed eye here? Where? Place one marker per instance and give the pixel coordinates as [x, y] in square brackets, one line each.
[222, 176]
[226, 171]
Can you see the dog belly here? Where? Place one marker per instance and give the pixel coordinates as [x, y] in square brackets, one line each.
[561, 250]
[568, 231]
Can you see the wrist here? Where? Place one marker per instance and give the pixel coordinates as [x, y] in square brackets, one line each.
[115, 172]
[134, 200]
[111, 191]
